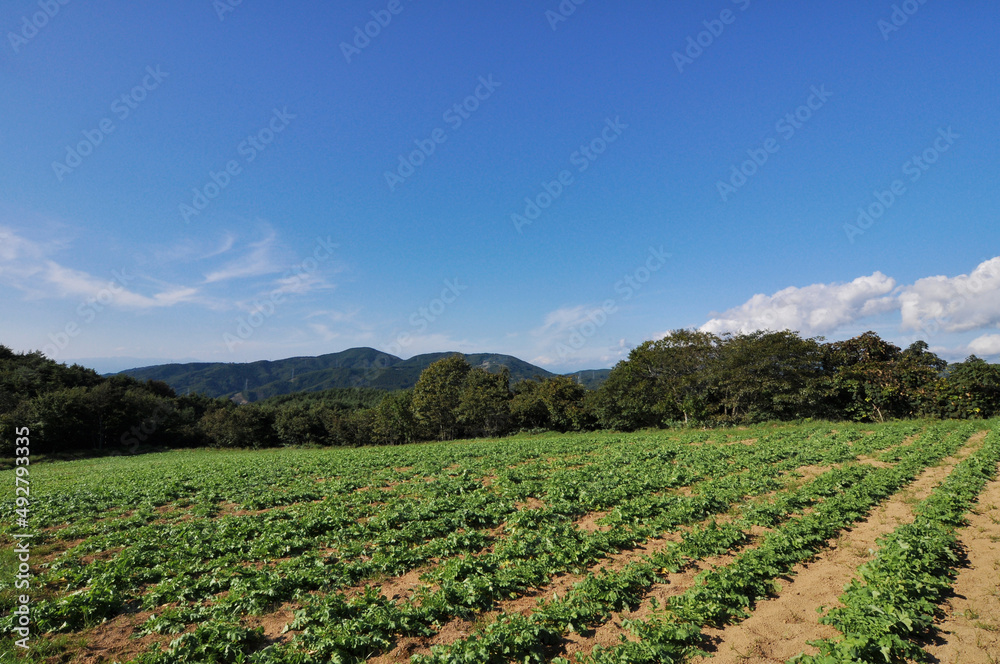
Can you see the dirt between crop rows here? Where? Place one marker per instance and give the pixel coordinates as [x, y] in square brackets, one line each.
[607, 634]
[969, 633]
[794, 612]
[780, 628]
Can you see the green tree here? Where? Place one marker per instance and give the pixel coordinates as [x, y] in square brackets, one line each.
[298, 424]
[921, 373]
[338, 427]
[766, 375]
[436, 396]
[564, 400]
[627, 399]
[484, 403]
[663, 380]
[527, 409]
[973, 389]
[679, 365]
[865, 379]
[392, 420]
[240, 426]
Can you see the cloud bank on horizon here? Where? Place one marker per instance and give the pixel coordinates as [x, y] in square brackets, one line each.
[929, 309]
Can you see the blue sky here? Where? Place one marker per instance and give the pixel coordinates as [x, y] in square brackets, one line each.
[196, 180]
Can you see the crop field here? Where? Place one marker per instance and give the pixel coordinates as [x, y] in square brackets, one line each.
[815, 543]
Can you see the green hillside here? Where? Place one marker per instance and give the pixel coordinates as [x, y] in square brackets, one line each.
[356, 367]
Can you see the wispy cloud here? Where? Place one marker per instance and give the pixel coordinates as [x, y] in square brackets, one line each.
[13, 248]
[228, 241]
[300, 284]
[190, 250]
[28, 266]
[258, 261]
[324, 332]
[560, 320]
[72, 282]
[573, 336]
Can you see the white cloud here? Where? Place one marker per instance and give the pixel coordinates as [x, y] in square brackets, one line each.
[336, 315]
[300, 284]
[573, 336]
[227, 243]
[26, 266]
[560, 320]
[192, 249]
[936, 308]
[986, 345]
[256, 262]
[811, 310]
[954, 304]
[13, 247]
[76, 283]
[324, 332]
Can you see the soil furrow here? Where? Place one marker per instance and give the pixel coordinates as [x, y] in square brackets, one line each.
[606, 634]
[969, 633]
[780, 627]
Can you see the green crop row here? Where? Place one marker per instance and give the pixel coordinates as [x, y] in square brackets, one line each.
[158, 530]
[892, 605]
[725, 594]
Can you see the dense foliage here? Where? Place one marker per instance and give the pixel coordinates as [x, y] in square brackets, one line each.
[687, 377]
[763, 376]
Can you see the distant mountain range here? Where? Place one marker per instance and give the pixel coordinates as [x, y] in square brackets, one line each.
[356, 367]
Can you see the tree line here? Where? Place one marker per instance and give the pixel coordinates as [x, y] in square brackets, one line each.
[697, 376]
[686, 378]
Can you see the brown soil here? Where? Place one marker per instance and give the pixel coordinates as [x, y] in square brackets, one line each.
[112, 641]
[588, 522]
[808, 473]
[59, 547]
[872, 461]
[970, 631]
[401, 587]
[609, 634]
[779, 628]
[530, 503]
[408, 646]
[274, 623]
[232, 509]
[397, 588]
[107, 554]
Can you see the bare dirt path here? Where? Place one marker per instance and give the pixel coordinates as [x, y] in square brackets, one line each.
[780, 627]
[970, 630]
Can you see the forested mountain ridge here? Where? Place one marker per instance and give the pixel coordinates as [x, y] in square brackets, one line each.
[355, 367]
